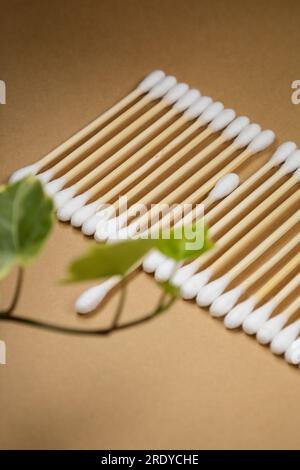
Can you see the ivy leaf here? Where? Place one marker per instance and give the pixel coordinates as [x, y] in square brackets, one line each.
[189, 241]
[108, 260]
[105, 260]
[26, 218]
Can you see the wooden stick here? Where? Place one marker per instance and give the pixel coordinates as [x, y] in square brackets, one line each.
[277, 279]
[88, 130]
[271, 262]
[110, 144]
[287, 289]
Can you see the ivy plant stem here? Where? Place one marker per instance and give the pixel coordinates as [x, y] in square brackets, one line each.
[160, 308]
[17, 292]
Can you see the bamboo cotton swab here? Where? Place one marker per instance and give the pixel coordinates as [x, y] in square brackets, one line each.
[88, 216]
[149, 82]
[158, 92]
[214, 289]
[235, 317]
[183, 274]
[141, 222]
[68, 209]
[256, 319]
[91, 298]
[225, 303]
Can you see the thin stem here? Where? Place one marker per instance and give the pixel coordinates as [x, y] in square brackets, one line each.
[121, 303]
[161, 307]
[17, 292]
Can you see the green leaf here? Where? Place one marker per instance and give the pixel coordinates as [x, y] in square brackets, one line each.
[185, 242]
[104, 260]
[108, 260]
[26, 218]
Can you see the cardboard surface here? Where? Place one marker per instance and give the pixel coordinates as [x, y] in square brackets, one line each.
[181, 381]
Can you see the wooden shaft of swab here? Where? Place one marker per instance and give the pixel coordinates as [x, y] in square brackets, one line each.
[277, 278]
[84, 133]
[151, 163]
[167, 165]
[292, 308]
[257, 211]
[239, 208]
[110, 144]
[229, 200]
[202, 191]
[287, 289]
[118, 156]
[270, 263]
[266, 244]
[180, 173]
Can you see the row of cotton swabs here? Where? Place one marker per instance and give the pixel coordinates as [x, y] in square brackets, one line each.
[125, 168]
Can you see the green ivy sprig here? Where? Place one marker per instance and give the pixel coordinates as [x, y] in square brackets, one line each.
[26, 220]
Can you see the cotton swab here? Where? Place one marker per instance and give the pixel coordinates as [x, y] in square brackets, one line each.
[220, 121]
[92, 297]
[285, 337]
[268, 331]
[256, 319]
[186, 277]
[183, 273]
[144, 87]
[157, 92]
[68, 209]
[88, 216]
[235, 317]
[261, 141]
[214, 289]
[178, 97]
[225, 303]
[292, 354]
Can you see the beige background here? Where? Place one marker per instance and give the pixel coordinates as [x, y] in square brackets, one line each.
[181, 381]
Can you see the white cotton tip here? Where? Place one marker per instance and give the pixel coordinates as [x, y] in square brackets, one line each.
[108, 229]
[90, 299]
[152, 261]
[292, 163]
[212, 291]
[127, 232]
[67, 210]
[54, 186]
[223, 304]
[151, 80]
[197, 108]
[284, 338]
[247, 135]
[183, 273]
[292, 354]
[270, 328]
[283, 151]
[222, 120]
[235, 127]
[237, 315]
[191, 287]
[89, 227]
[63, 196]
[262, 141]
[256, 319]
[82, 214]
[187, 100]
[211, 112]
[176, 93]
[159, 90]
[165, 270]
[23, 172]
[45, 177]
[225, 186]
